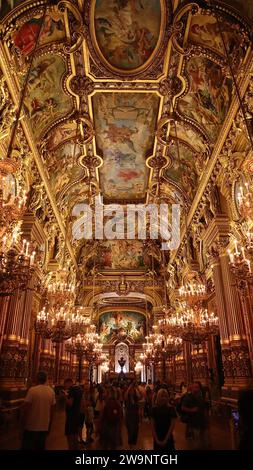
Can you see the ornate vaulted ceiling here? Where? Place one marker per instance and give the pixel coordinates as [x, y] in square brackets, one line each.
[123, 93]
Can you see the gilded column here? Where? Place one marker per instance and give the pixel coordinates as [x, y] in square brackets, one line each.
[237, 335]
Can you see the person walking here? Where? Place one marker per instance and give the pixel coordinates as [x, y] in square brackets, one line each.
[37, 414]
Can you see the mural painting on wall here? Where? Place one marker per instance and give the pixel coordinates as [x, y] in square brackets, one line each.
[121, 324]
[52, 31]
[125, 127]
[209, 95]
[46, 101]
[127, 31]
[122, 254]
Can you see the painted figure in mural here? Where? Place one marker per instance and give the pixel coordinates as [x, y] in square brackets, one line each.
[122, 323]
[209, 97]
[25, 38]
[41, 103]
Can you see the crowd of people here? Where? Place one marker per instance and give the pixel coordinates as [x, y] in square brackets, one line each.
[103, 409]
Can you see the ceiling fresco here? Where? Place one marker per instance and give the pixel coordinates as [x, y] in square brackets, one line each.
[205, 31]
[46, 100]
[52, 30]
[127, 32]
[209, 96]
[122, 254]
[119, 67]
[183, 169]
[125, 127]
[63, 168]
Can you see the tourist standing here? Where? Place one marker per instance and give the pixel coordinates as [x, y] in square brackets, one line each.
[37, 413]
[163, 422]
[132, 398]
[73, 397]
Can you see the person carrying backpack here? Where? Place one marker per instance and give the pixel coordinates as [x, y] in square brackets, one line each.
[110, 422]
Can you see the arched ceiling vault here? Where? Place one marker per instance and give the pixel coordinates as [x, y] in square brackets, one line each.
[122, 93]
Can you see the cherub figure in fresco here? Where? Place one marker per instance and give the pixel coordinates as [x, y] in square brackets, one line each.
[208, 34]
[36, 74]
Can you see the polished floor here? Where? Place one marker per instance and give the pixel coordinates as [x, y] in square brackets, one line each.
[219, 436]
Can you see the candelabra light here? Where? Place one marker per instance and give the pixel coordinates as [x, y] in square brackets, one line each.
[16, 267]
[160, 345]
[239, 260]
[59, 326]
[192, 292]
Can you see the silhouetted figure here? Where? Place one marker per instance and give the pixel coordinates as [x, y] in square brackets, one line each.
[245, 408]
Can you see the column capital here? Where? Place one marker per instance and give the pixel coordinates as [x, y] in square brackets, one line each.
[216, 236]
[32, 229]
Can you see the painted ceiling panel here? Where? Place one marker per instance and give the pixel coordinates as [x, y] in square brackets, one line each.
[205, 31]
[183, 169]
[209, 96]
[63, 168]
[46, 101]
[127, 32]
[125, 128]
[53, 30]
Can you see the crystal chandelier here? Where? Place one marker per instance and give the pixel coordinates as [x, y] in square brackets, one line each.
[59, 326]
[161, 346]
[16, 267]
[60, 291]
[192, 292]
[240, 263]
[194, 324]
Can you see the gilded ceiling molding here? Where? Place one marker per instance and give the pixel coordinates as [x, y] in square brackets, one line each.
[4, 63]
[217, 150]
[76, 37]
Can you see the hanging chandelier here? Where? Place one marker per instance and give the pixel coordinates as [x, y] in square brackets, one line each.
[60, 326]
[160, 346]
[192, 292]
[60, 291]
[87, 345]
[194, 324]
[16, 267]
